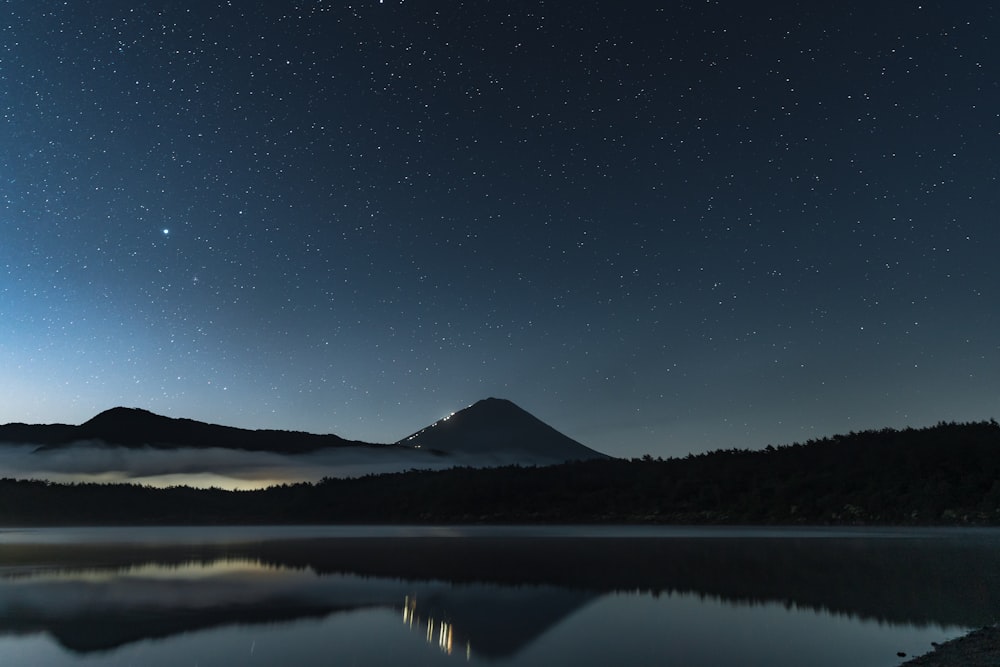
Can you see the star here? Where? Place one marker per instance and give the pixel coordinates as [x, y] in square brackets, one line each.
[698, 226]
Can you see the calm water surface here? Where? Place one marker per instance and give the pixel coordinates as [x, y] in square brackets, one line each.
[503, 596]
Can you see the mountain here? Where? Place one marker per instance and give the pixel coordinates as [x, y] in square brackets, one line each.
[138, 446]
[492, 427]
[500, 429]
[136, 428]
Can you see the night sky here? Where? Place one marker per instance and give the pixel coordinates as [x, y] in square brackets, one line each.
[659, 229]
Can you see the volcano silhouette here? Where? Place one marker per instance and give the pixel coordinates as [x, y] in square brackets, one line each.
[136, 428]
[490, 433]
[497, 427]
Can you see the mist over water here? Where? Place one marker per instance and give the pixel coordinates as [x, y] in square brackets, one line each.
[90, 461]
[203, 467]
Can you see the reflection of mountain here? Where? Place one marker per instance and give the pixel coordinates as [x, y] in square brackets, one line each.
[492, 621]
[493, 595]
[908, 580]
[106, 629]
[90, 610]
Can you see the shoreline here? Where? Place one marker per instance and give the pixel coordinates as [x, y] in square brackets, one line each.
[978, 648]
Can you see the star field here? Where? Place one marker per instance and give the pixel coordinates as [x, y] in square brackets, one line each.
[659, 229]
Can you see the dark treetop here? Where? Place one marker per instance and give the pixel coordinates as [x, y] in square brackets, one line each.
[947, 474]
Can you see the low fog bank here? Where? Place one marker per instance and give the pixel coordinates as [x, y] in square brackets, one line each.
[226, 468]
[223, 468]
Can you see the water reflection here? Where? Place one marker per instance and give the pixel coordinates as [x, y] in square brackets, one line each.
[439, 632]
[519, 601]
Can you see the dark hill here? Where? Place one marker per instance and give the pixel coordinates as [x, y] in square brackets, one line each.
[133, 427]
[495, 426]
[37, 434]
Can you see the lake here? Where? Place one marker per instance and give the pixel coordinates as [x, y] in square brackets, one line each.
[383, 595]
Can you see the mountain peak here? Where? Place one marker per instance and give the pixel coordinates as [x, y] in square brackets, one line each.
[135, 427]
[497, 426]
[497, 403]
[121, 416]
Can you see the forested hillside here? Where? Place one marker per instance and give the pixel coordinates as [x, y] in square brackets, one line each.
[946, 474]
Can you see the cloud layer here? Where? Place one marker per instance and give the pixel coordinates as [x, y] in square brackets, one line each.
[223, 468]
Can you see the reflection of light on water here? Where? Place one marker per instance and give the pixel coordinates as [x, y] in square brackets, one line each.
[444, 636]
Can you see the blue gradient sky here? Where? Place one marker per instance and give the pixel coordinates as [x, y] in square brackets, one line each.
[659, 229]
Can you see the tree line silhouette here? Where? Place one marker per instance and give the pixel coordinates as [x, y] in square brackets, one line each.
[945, 474]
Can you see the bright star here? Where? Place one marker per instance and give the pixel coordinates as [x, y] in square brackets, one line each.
[166, 232]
